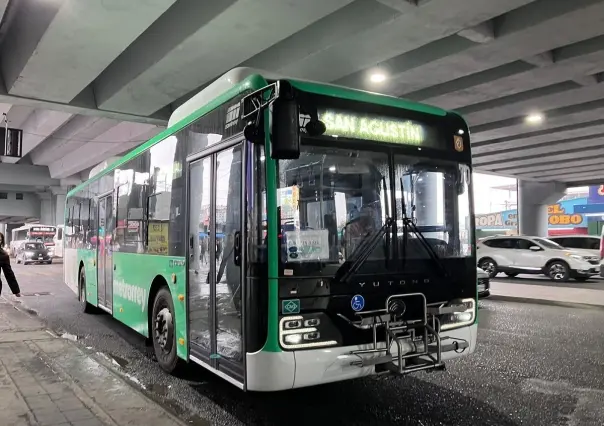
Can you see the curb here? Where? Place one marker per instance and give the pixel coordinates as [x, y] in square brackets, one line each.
[75, 387]
[544, 302]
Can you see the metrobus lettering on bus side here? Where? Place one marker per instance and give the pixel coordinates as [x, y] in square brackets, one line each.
[264, 188]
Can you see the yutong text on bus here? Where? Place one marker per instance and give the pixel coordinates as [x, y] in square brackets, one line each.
[284, 234]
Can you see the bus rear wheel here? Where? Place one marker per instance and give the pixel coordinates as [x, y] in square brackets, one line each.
[163, 330]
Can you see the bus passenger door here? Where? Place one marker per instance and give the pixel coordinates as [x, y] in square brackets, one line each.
[105, 253]
[214, 261]
[109, 231]
[100, 253]
[199, 260]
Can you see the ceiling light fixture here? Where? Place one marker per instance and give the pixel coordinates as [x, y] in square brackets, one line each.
[534, 118]
[377, 77]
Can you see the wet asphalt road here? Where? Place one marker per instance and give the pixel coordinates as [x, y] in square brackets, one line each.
[535, 365]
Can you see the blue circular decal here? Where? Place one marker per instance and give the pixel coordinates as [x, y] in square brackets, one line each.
[357, 302]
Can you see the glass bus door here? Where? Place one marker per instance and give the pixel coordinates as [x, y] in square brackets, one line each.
[214, 262]
[105, 253]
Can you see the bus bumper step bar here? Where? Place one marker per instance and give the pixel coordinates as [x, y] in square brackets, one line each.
[417, 340]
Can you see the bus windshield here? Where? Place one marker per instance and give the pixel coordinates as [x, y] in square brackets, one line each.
[333, 199]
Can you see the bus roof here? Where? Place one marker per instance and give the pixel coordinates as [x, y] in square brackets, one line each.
[237, 75]
[239, 80]
[32, 225]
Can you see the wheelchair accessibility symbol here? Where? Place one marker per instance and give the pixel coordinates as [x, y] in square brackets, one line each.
[357, 303]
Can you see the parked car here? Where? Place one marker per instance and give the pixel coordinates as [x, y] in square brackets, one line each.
[587, 243]
[484, 285]
[33, 252]
[534, 255]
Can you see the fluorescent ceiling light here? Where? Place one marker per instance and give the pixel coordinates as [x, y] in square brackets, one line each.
[377, 77]
[534, 118]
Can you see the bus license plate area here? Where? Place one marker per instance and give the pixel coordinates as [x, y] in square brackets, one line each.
[408, 309]
[403, 324]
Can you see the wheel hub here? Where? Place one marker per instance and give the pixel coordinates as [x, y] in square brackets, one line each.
[163, 329]
[557, 272]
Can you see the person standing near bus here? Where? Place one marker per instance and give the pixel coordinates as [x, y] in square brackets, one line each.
[8, 271]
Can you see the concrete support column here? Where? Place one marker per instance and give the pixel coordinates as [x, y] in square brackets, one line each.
[58, 197]
[533, 199]
[46, 211]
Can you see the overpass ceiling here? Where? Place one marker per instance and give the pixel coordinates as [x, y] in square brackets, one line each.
[17, 219]
[87, 80]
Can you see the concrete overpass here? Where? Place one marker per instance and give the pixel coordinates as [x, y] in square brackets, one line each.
[89, 79]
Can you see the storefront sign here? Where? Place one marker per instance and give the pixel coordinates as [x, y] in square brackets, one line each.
[500, 220]
[560, 215]
[557, 216]
[596, 194]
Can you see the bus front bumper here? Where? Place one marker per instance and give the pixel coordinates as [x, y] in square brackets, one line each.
[272, 371]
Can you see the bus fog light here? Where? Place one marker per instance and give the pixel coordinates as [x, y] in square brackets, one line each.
[297, 332]
[466, 316]
[312, 336]
[292, 339]
[463, 317]
[288, 325]
[313, 322]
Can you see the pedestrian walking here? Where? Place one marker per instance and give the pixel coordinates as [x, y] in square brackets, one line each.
[8, 271]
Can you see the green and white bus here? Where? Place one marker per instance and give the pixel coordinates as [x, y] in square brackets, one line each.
[284, 233]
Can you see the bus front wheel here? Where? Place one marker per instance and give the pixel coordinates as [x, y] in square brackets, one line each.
[163, 331]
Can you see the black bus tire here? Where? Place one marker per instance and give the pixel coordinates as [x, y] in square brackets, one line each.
[86, 307]
[163, 331]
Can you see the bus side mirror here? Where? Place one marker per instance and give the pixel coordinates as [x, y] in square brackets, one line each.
[284, 119]
[285, 129]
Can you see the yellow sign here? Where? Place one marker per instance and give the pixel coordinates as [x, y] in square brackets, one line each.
[558, 216]
[158, 237]
[458, 142]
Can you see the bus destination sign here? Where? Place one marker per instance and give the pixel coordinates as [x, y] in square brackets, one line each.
[349, 124]
[42, 230]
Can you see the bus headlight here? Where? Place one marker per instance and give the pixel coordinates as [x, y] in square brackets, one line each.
[300, 332]
[464, 316]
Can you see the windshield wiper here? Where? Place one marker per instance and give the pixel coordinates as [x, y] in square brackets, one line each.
[408, 223]
[362, 252]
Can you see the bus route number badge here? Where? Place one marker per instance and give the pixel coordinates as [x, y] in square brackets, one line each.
[458, 143]
[357, 303]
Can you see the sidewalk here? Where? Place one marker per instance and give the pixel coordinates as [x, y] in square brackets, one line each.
[547, 294]
[46, 380]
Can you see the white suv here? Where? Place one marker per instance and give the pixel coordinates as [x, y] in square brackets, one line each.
[534, 255]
